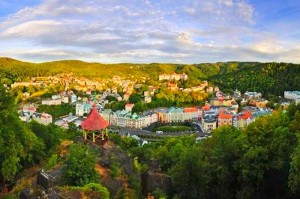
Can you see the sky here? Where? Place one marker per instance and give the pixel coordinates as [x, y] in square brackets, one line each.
[147, 31]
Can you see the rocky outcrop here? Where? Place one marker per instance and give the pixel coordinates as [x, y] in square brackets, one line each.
[153, 180]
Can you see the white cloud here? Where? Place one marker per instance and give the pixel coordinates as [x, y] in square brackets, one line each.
[33, 29]
[139, 31]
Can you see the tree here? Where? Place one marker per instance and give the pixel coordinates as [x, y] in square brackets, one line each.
[191, 176]
[294, 125]
[51, 134]
[72, 131]
[111, 98]
[101, 190]
[80, 166]
[138, 107]
[294, 176]
[135, 98]
[264, 164]
[16, 140]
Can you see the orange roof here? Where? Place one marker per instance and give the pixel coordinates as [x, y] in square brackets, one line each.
[94, 121]
[206, 107]
[245, 115]
[190, 110]
[224, 115]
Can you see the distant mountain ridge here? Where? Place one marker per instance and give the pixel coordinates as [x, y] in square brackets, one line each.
[267, 78]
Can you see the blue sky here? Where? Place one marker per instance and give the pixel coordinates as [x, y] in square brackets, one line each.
[145, 31]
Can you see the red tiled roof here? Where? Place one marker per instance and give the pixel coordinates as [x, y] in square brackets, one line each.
[245, 115]
[206, 107]
[224, 115]
[94, 121]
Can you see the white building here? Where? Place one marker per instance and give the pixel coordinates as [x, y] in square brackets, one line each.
[65, 99]
[252, 95]
[51, 102]
[148, 99]
[83, 108]
[209, 123]
[191, 114]
[173, 76]
[42, 118]
[292, 95]
[73, 98]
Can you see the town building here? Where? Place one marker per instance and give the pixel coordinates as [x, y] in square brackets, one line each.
[252, 95]
[292, 95]
[124, 118]
[178, 114]
[260, 103]
[83, 108]
[191, 114]
[148, 99]
[175, 114]
[42, 118]
[222, 101]
[51, 102]
[64, 122]
[225, 118]
[209, 89]
[128, 107]
[209, 123]
[73, 98]
[242, 120]
[25, 84]
[173, 76]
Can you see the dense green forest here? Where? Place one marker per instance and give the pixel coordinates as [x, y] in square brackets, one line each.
[261, 161]
[268, 78]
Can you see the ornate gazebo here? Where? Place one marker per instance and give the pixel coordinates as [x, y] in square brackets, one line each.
[95, 128]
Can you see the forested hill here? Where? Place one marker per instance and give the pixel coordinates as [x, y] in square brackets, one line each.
[25, 69]
[268, 78]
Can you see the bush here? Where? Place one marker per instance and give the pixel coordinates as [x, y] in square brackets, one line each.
[80, 166]
[115, 167]
[98, 188]
[52, 161]
[93, 187]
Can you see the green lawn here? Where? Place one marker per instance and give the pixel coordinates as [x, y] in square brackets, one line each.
[172, 128]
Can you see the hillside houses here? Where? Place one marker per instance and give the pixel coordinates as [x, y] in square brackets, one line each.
[26, 84]
[173, 76]
[60, 98]
[42, 118]
[214, 117]
[252, 95]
